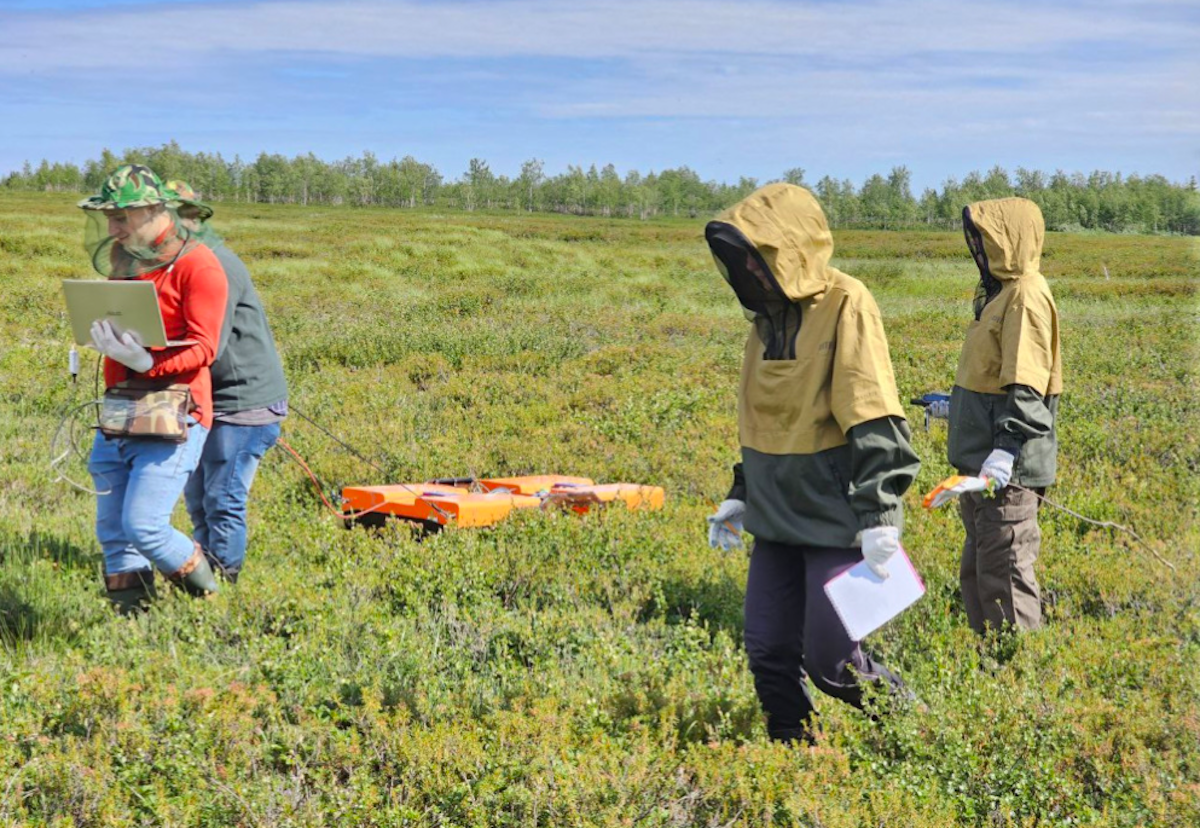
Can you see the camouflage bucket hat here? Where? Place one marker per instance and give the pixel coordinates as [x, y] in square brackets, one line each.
[132, 185]
[186, 196]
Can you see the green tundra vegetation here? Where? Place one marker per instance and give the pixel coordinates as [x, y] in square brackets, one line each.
[1069, 201]
[587, 670]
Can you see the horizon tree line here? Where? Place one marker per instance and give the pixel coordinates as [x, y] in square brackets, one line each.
[1069, 201]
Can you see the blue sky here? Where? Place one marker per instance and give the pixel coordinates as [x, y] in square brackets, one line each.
[728, 87]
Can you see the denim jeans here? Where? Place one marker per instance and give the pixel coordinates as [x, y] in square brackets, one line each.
[217, 491]
[142, 479]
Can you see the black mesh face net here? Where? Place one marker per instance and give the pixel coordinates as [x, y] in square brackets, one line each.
[988, 285]
[743, 268]
[974, 242]
[138, 252]
[757, 289]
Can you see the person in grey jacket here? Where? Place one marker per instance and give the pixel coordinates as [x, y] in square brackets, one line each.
[249, 403]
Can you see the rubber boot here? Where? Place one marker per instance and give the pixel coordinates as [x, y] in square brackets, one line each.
[195, 577]
[130, 592]
[229, 576]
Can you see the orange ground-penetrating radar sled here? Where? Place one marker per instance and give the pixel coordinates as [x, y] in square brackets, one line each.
[485, 502]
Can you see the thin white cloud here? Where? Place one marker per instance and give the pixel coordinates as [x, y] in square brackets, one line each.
[590, 29]
[956, 90]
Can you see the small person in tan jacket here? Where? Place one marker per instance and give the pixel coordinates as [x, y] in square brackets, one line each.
[1002, 413]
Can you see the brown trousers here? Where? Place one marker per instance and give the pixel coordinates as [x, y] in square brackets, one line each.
[996, 575]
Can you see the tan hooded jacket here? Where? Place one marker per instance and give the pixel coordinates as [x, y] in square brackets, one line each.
[1010, 370]
[816, 374]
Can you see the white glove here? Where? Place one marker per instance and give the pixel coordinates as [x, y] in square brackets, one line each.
[939, 410]
[998, 466]
[124, 349]
[879, 543]
[725, 525]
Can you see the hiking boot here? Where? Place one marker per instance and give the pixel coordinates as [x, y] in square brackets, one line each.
[794, 736]
[195, 576]
[804, 733]
[130, 592]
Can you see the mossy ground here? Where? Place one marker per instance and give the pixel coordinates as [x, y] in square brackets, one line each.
[566, 670]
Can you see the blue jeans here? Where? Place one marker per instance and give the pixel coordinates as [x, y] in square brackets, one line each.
[217, 491]
[142, 480]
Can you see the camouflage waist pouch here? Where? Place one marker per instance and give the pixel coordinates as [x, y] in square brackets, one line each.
[137, 408]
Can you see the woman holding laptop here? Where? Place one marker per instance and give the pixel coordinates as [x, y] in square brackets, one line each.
[139, 473]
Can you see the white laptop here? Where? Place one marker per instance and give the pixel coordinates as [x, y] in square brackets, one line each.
[128, 305]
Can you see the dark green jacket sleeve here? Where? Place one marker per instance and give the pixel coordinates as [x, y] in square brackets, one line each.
[738, 490]
[883, 464]
[1025, 417]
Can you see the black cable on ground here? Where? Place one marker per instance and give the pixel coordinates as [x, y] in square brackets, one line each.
[294, 410]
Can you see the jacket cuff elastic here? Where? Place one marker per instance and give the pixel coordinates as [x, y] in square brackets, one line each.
[738, 490]
[892, 517]
[1006, 442]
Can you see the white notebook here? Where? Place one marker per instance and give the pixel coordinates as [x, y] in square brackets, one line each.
[866, 602]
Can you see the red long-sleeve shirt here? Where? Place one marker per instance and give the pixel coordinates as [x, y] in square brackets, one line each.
[191, 297]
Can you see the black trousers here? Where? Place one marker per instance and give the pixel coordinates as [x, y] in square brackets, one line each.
[792, 630]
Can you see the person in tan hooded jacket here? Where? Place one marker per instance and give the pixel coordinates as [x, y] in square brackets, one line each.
[826, 455]
[1002, 412]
